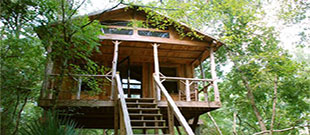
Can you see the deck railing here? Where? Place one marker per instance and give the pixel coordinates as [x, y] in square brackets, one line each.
[48, 93]
[121, 107]
[173, 110]
[191, 87]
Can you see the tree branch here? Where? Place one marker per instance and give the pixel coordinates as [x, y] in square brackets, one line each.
[215, 124]
[19, 114]
[281, 130]
[250, 94]
[96, 18]
[75, 10]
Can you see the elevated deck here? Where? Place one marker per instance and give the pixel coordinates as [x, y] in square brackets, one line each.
[100, 114]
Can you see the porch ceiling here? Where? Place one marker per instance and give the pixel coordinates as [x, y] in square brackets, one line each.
[143, 52]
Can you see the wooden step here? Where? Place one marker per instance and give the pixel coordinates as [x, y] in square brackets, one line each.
[140, 99]
[141, 103]
[149, 127]
[145, 114]
[143, 109]
[155, 121]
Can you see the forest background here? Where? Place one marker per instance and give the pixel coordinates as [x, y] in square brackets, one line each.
[264, 66]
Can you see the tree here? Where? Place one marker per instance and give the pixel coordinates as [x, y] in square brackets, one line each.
[263, 83]
[22, 60]
[34, 34]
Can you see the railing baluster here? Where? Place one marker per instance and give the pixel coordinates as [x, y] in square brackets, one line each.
[78, 94]
[187, 90]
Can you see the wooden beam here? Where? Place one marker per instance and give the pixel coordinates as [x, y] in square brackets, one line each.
[139, 56]
[170, 120]
[114, 66]
[183, 78]
[201, 57]
[152, 39]
[195, 122]
[214, 77]
[150, 49]
[116, 118]
[156, 68]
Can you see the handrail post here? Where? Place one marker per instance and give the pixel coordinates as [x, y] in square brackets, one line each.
[114, 66]
[156, 68]
[187, 90]
[213, 73]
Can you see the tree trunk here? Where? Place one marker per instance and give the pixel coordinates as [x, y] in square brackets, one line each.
[234, 125]
[19, 115]
[215, 124]
[275, 91]
[251, 97]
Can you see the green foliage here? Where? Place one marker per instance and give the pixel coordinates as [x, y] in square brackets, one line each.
[50, 125]
[94, 83]
[33, 32]
[254, 50]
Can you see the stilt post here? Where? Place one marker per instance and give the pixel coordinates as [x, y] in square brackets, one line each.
[214, 77]
[114, 66]
[170, 120]
[156, 68]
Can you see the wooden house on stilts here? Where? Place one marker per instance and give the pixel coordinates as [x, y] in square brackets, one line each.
[151, 85]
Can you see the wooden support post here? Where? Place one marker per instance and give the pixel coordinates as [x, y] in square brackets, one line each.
[116, 109]
[104, 132]
[46, 92]
[114, 66]
[156, 68]
[213, 73]
[116, 116]
[195, 122]
[78, 94]
[122, 126]
[187, 90]
[170, 120]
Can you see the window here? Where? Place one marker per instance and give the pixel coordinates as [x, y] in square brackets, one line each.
[153, 33]
[117, 31]
[117, 23]
[134, 84]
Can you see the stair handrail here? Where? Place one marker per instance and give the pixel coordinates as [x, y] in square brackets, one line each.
[123, 107]
[173, 107]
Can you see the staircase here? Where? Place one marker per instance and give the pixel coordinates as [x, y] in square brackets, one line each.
[145, 115]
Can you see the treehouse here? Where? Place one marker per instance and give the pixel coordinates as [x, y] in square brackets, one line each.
[151, 82]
